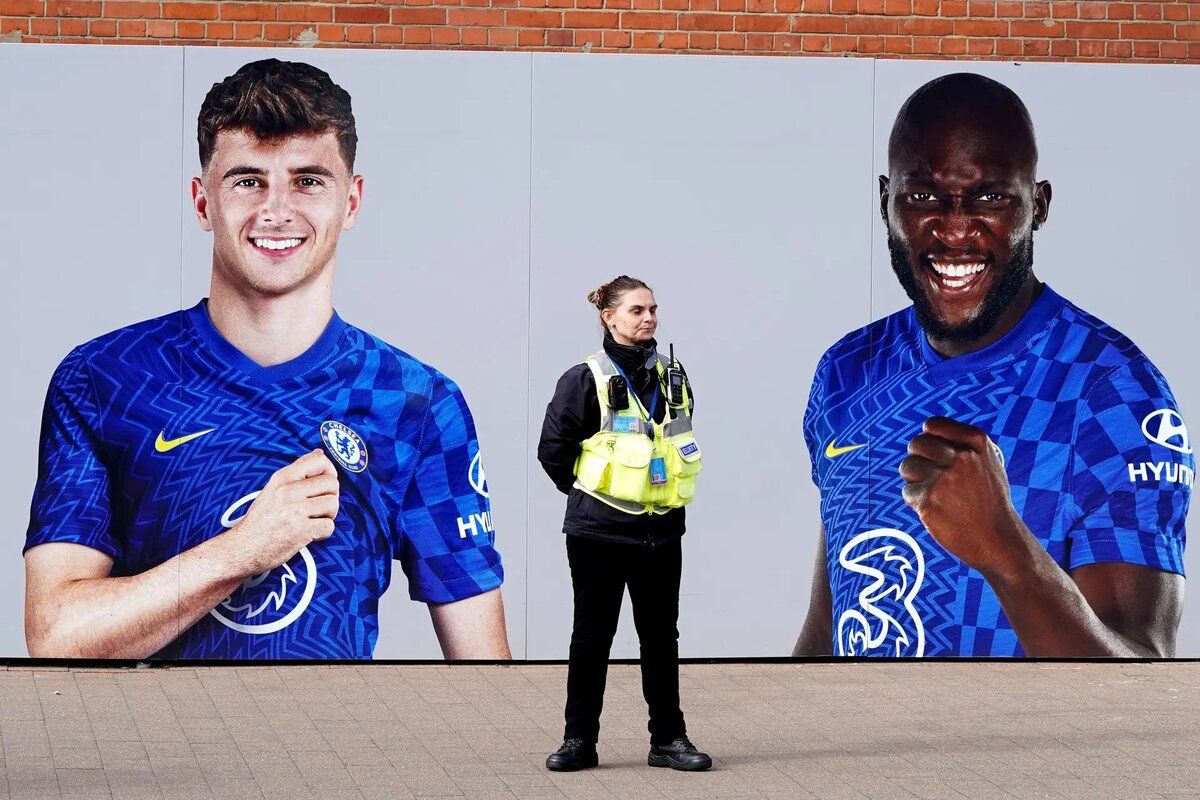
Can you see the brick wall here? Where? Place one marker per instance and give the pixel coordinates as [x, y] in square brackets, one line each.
[1009, 29]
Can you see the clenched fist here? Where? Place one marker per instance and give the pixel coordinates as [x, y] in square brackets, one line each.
[956, 483]
[296, 507]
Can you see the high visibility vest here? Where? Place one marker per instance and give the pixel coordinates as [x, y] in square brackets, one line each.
[614, 465]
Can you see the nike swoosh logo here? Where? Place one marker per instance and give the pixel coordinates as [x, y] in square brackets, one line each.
[163, 445]
[832, 451]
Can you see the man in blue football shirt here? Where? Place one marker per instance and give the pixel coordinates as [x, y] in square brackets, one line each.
[1001, 473]
[234, 481]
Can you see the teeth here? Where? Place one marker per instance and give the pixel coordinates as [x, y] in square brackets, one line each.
[956, 270]
[276, 244]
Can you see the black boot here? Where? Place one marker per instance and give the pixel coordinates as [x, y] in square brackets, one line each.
[679, 754]
[573, 755]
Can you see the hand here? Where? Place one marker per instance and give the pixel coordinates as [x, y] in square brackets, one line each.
[296, 507]
[957, 485]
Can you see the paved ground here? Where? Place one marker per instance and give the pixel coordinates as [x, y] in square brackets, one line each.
[789, 731]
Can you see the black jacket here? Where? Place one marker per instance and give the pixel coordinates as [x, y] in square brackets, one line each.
[572, 417]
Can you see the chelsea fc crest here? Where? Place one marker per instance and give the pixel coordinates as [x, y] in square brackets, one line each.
[344, 445]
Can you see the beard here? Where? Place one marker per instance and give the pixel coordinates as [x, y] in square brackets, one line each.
[1013, 275]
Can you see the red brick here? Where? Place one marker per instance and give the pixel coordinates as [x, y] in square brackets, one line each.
[1037, 30]
[981, 8]
[21, 8]
[72, 27]
[417, 35]
[1173, 50]
[726, 41]
[924, 45]
[871, 45]
[476, 16]
[189, 10]
[870, 7]
[927, 27]
[794, 6]
[667, 5]
[954, 8]
[1091, 9]
[449, 36]
[842, 44]
[160, 30]
[674, 41]
[843, 6]
[649, 20]
[1015, 8]
[502, 37]
[533, 19]
[1064, 11]
[647, 40]
[470, 37]
[815, 44]
[620, 39]
[1093, 30]
[131, 28]
[1187, 32]
[645, 5]
[189, 30]
[358, 34]
[71, 8]
[762, 23]
[706, 22]
[130, 10]
[760, 6]
[1147, 30]
[1119, 11]
[102, 27]
[420, 16]
[731, 5]
[698, 5]
[246, 12]
[954, 46]
[1194, 51]
[593, 38]
[49, 27]
[807, 24]
[925, 8]
[901, 45]
[330, 33]
[1145, 49]
[872, 26]
[1035, 47]
[760, 42]
[981, 27]
[702, 41]
[249, 30]
[219, 30]
[896, 8]
[590, 19]
[363, 15]
[981, 47]
[277, 31]
[1119, 49]
[1175, 12]
[1145, 11]
[292, 12]
[1008, 47]
[1064, 48]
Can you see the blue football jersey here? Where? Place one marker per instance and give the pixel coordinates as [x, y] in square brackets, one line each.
[158, 436]
[1096, 452]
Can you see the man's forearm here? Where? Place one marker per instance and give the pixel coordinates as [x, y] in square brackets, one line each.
[1049, 613]
[135, 616]
[472, 629]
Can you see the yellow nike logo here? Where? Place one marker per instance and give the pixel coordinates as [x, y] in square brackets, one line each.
[163, 445]
[832, 451]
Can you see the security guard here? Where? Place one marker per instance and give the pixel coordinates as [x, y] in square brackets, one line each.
[617, 439]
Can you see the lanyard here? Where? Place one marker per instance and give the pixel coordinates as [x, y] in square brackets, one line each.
[633, 393]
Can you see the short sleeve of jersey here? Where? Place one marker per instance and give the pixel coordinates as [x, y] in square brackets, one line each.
[447, 546]
[1131, 473]
[816, 400]
[71, 498]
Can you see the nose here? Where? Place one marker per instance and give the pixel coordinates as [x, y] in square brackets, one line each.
[955, 228]
[277, 206]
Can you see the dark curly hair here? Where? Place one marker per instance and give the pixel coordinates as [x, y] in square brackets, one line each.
[273, 99]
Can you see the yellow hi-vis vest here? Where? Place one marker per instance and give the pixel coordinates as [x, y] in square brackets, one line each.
[614, 465]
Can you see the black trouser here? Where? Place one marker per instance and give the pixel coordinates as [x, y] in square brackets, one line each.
[600, 570]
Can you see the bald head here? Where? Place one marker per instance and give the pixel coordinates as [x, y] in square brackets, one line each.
[965, 108]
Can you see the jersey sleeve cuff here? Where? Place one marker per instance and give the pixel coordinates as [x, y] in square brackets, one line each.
[1145, 548]
[66, 537]
[430, 589]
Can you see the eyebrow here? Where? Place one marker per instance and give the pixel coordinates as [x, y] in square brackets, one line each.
[311, 169]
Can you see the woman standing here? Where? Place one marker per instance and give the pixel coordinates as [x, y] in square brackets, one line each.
[617, 439]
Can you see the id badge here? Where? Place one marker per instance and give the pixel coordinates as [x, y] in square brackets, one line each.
[623, 423]
[658, 471]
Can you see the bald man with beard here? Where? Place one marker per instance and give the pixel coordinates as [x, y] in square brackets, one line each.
[1001, 473]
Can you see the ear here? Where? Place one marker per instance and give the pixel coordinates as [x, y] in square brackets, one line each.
[353, 202]
[606, 317]
[1041, 203]
[200, 204]
[884, 195]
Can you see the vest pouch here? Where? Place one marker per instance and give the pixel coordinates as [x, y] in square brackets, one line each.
[593, 471]
[683, 457]
[631, 468]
